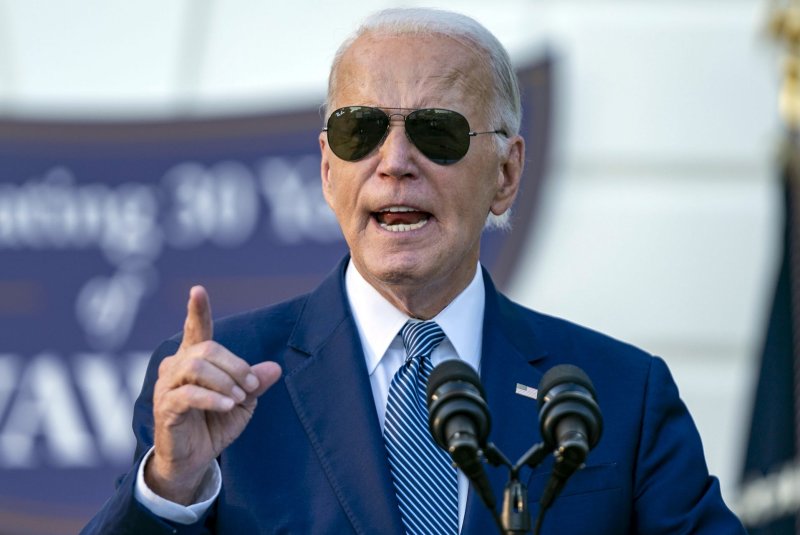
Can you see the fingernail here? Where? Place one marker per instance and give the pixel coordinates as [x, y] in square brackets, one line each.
[238, 393]
[227, 403]
[251, 382]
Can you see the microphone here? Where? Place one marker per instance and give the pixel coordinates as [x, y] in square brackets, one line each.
[570, 423]
[459, 420]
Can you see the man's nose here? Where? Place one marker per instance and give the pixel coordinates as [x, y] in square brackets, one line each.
[398, 155]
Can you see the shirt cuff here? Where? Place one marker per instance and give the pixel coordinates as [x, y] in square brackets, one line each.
[175, 512]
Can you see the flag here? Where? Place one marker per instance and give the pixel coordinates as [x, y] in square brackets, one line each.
[770, 494]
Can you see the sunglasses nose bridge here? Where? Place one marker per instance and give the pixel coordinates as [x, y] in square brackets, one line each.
[397, 148]
[396, 119]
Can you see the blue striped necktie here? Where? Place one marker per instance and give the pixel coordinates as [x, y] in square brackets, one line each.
[424, 479]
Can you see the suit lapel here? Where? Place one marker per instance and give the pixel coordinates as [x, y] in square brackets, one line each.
[511, 354]
[329, 387]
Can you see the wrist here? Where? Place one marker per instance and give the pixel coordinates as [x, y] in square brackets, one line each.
[181, 487]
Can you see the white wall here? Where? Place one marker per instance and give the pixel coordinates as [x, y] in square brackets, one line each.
[661, 212]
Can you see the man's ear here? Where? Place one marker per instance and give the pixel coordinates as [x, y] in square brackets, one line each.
[509, 176]
[325, 167]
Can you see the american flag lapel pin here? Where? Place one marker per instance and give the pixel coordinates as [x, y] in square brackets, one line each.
[527, 391]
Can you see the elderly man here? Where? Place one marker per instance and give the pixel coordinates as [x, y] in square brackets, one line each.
[304, 417]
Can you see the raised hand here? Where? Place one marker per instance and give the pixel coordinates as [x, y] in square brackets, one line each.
[203, 399]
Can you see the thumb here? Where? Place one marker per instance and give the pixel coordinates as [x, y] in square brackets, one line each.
[197, 327]
[268, 373]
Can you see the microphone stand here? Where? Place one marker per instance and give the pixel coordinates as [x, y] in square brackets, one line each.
[516, 517]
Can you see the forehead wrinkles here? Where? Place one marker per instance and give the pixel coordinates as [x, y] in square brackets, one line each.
[472, 88]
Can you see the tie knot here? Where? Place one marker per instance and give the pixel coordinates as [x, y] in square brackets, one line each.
[420, 338]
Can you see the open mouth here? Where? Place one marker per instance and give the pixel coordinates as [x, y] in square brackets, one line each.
[401, 218]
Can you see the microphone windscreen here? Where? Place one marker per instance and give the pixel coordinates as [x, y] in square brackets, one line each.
[564, 373]
[453, 370]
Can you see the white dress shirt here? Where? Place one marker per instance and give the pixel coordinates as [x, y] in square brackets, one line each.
[378, 323]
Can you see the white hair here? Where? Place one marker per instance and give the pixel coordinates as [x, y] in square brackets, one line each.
[505, 108]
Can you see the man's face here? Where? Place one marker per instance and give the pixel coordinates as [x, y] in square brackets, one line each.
[442, 207]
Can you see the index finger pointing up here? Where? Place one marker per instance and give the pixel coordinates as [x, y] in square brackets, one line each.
[198, 326]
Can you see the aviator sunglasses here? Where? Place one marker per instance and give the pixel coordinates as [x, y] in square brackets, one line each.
[441, 135]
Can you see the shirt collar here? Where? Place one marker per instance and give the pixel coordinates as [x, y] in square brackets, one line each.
[378, 321]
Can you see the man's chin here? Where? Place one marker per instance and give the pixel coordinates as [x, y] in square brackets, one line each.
[397, 267]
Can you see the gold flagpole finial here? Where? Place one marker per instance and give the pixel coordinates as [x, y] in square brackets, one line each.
[784, 26]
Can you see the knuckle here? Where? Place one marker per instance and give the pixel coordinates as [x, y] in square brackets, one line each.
[200, 398]
[164, 408]
[164, 366]
[197, 396]
[158, 409]
[206, 348]
[240, 368]
[194, 368]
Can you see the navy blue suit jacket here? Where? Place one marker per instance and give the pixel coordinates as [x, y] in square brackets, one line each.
[312, 459]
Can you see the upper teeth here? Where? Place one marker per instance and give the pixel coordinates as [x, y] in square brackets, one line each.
[399, 209]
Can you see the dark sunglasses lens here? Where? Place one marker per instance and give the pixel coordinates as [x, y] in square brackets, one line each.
[441, 135]
[355, 130]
